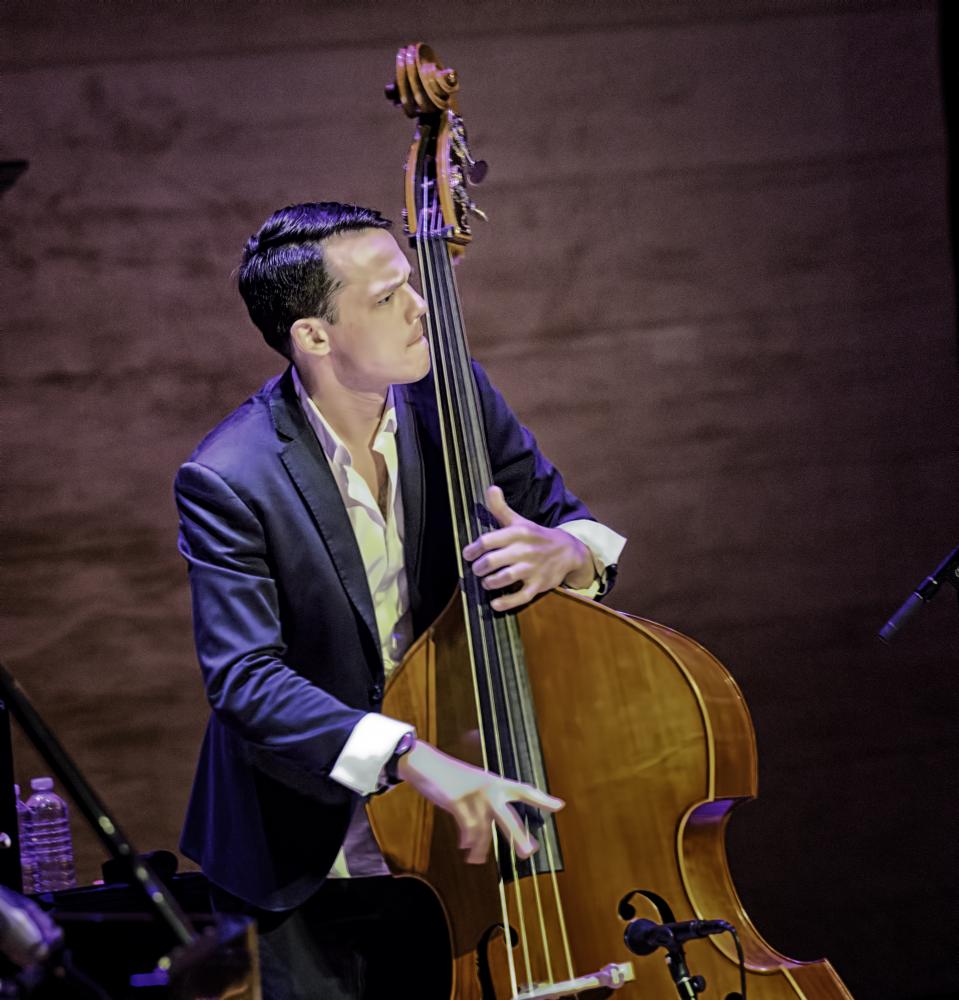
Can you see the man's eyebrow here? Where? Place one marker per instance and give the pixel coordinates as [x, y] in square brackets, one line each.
[379, 291]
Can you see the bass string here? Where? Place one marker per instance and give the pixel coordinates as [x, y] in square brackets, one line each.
[454, 385]
[462, 392]
[456, 452]
[501, 631]
[459, 508]
[461, 387]
[505, 627]
[510, 649]
[471, 468]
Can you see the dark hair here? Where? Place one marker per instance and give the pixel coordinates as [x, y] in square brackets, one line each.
[283, 276]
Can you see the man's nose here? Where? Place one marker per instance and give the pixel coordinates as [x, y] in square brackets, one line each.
[419, 303]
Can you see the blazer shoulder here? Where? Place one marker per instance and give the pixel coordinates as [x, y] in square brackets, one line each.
[242, 439]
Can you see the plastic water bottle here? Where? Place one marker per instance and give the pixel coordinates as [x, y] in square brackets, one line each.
[27, 867]
[50, 838]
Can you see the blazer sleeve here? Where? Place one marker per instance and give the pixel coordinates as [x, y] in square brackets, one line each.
[292, 729]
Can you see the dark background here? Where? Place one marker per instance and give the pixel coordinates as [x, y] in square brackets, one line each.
[717, 283]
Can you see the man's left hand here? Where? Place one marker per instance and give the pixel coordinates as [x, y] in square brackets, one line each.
[525, 553]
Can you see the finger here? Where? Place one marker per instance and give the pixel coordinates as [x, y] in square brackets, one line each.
[534, 797]
[499, 558]
[519, 837]
[499, 508]
[494, 541]
[514, 572]
[480, 844]
[478, 855]
[506, 602]
[506, 577]
[471, 825]
[488, 541]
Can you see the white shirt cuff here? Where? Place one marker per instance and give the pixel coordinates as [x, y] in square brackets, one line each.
[605, 546]
[371, 744]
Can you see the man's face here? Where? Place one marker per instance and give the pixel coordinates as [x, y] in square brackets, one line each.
[377, 339]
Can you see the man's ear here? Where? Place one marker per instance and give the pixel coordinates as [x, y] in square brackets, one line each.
[309, 336]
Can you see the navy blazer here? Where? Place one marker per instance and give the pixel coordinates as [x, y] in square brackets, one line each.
[284, 624]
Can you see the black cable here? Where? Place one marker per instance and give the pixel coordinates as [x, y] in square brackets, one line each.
[742, 962]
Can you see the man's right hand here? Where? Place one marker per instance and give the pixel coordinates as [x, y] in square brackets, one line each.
[474, 798]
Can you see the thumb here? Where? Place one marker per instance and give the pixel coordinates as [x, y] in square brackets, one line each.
[499, 508]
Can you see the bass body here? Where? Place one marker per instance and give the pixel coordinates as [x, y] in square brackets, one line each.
[648, 739]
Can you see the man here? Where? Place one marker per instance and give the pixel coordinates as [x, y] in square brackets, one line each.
[302, 518]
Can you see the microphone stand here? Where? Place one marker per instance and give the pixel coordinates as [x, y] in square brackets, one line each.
[201, 965]
[49, 747]
[687, 986]
[946, 572]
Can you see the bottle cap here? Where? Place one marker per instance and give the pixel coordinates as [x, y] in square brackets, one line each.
[41, 784]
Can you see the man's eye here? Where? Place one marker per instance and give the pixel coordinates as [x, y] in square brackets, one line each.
[386, 298]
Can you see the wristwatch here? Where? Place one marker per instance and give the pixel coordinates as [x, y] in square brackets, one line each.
[406, 743]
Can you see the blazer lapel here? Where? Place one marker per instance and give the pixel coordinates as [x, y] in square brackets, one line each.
[310, 471]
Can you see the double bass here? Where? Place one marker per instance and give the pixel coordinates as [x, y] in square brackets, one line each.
[643, 733]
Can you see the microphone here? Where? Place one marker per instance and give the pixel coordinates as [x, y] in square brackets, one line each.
[946, 571]
[643, 936]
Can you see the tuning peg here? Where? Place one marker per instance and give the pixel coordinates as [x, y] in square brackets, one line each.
[476, 170]
[392, 92]
[474, 209]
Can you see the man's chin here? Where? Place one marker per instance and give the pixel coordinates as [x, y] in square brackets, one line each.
[415, 375]
[424, 367]
[424, 372]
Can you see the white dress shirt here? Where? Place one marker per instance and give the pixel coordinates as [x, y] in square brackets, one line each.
[380, 540]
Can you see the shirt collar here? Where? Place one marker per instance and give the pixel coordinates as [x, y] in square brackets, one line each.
[331, 443]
